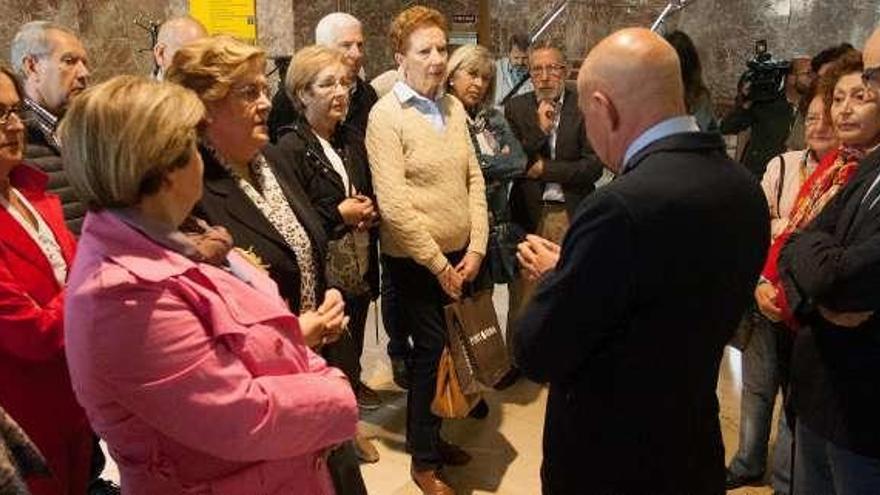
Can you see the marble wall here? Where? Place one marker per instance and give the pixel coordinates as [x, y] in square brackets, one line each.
[113, 41]
[791, 27]
[724, 30]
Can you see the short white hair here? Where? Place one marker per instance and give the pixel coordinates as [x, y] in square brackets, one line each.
[32, 40]
[329, 26]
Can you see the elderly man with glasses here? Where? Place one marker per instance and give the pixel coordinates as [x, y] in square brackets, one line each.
[562, 167]
[53, 67]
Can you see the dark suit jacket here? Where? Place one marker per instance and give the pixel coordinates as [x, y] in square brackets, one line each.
[310, 168]
[835, 262]
[224, 203]
[576, 167]
[655, 272]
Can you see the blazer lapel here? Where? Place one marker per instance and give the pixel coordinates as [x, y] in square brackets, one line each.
[869, 169]
[567, 133]
[237, 203]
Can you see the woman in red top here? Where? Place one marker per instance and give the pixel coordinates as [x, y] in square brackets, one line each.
[855, 114]
[36, 250]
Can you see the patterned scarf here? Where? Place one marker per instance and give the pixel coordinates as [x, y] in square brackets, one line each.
[268, 197]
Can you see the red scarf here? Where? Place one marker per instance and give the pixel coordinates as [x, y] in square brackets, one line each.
[833, 172]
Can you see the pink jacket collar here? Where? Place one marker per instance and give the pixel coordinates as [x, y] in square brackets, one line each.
[133, 250]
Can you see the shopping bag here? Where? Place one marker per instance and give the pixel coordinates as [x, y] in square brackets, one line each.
[475, 343]
[449, 400]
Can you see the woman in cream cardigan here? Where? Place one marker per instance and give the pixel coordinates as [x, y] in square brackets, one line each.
[434, 226]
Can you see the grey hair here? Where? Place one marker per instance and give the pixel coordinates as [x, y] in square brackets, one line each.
[32, 40]
[329, 26]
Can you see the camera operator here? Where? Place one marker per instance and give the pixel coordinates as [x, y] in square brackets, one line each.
[761, 106]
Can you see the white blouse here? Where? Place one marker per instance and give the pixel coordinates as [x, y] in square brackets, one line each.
[42, 235]
[337, 163]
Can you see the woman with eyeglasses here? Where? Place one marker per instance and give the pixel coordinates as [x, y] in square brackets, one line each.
[36, 250]
[248, 191]
[833, 389]
[768, 349]
[328, 158]
[243, 193]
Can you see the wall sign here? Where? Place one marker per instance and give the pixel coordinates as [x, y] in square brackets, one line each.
[233, 17]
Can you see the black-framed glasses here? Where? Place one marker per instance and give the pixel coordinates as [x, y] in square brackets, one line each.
[871, 75]
[7, 114]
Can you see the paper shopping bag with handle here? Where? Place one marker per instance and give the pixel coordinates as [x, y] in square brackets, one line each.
[475, 342]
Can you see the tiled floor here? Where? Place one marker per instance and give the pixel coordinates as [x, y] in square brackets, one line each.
[506, 446]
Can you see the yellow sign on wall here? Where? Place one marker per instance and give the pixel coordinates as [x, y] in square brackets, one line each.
[233, 17]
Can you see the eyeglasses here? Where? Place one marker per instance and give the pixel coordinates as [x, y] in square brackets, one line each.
[870, 75]
[250, 93]
[7, 114]
[329, 84]
[552, 70]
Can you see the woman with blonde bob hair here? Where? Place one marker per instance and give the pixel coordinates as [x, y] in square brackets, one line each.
[188, 363]
[329, 160]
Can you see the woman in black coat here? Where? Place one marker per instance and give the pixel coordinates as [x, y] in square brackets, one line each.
[329, 160]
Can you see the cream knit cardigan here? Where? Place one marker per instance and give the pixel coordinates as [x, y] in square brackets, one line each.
[428, 183]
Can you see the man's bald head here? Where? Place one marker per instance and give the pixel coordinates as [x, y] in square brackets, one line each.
[173, 34]
[628, 83]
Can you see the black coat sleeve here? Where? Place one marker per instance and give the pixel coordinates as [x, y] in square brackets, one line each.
[816, 267]
[579, 306]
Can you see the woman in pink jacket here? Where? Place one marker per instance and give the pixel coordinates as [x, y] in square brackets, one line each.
[185, 358]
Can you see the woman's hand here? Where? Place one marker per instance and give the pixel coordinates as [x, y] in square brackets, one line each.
[451, 282]
[765, 297]
[325, 324]
[354, 209]
[333, 312]
[311, 324]
[469, 266]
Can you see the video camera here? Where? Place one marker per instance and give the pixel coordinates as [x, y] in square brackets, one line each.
[765, 76]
